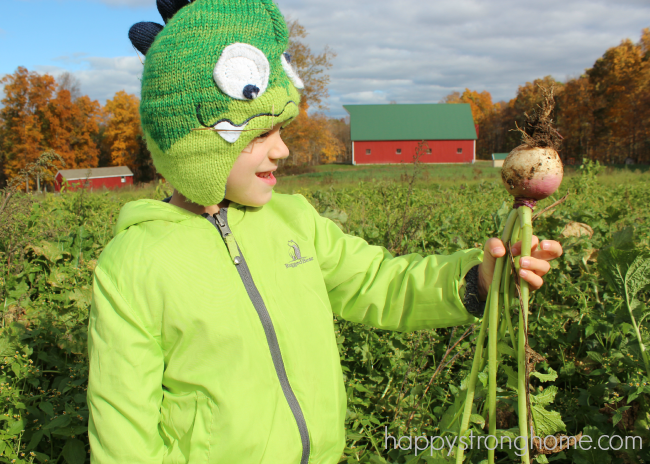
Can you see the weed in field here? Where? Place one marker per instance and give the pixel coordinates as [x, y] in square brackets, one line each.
[400, 384]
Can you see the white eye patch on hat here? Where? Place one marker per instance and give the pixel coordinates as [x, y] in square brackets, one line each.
[293, 75]
[242, 71]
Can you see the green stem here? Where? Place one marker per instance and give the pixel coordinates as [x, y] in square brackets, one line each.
[471, 386]
[506, 323]
[522, 378]
[493, 326]
[509, 289]
[638, 335]
[521, 387]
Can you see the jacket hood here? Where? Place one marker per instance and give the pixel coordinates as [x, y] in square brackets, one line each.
[136, 212]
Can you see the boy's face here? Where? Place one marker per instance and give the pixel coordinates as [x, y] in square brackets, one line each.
[251, 179]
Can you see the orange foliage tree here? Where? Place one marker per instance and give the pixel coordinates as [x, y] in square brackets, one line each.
[603, 115]
[481, 103]
[310, 139]
[23, 118]
[72, 128]
[576, 119]
[620, 89]
[123, 133]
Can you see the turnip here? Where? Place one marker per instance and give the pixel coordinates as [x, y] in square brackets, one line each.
[531, 172]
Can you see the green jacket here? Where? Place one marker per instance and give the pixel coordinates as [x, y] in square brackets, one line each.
[196, 359]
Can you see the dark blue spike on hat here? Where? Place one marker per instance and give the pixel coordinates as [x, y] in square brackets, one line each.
[168, 8]
[143, 34]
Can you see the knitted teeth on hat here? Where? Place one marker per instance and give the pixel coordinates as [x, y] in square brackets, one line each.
[215, 77]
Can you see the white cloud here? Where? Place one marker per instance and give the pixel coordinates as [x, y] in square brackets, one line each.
[101, 77]
[418, 52]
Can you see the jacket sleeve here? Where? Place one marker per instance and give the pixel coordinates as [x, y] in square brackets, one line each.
[367, 284]
[125, 381]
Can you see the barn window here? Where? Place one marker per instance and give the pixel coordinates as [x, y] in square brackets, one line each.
[367, 151]
[459, 151]
[398, 151]
[123, 179]
[428, 151]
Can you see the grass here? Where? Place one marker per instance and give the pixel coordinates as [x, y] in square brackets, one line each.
[434, 176]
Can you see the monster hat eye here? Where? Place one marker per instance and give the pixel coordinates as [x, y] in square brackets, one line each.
[286, 65]
[242, 71]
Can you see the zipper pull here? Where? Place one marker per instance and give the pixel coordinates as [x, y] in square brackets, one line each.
[228, 238]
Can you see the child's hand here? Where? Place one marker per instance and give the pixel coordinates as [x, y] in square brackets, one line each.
[532, 267]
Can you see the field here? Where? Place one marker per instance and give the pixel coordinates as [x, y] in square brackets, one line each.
[398, 384]
[432, 176]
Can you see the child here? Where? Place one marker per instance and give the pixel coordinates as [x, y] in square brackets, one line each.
[211, 333]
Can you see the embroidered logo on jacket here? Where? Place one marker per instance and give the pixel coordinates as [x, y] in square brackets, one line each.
[296, 256]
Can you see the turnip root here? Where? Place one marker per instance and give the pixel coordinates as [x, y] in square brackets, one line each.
[531, 172]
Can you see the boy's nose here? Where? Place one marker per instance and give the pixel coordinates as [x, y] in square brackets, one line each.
[279, 150]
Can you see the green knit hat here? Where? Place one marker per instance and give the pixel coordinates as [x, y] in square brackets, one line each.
[216, 64]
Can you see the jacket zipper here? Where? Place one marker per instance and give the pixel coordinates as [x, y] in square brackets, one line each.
[220, 221]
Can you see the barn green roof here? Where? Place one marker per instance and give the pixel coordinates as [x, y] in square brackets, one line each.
[432, 121]
[499, 156]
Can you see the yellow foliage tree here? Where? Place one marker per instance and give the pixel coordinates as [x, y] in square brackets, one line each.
[310, 139]
[481, 103]
[123, 133]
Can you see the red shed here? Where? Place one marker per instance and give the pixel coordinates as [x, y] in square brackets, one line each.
[386, 134]
[97, 178]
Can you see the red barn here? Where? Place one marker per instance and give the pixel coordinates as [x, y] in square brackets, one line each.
[386, 134]
[97, 178]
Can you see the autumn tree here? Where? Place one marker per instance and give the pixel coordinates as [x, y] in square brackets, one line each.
[24, 116]
[480, 103]
[483, 112]
[603, 114]
[575, 120]
[39, 114]
[123, 129]
[312, 68]
[340, 128]
[122, 138]
[72, 127]
[311, 141]
[620, 86]
[67, 81]
[309, 137]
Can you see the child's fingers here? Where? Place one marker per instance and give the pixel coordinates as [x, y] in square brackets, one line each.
[534, 281]
[495, 248]
[516, 248]
[538, 266]
[550, 250]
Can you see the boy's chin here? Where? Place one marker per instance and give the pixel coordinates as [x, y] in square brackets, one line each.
[252, 201]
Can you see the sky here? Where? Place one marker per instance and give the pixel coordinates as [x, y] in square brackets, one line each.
[407, 51]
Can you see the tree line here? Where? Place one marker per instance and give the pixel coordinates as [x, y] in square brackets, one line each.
[602, 115]
[41, 113]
